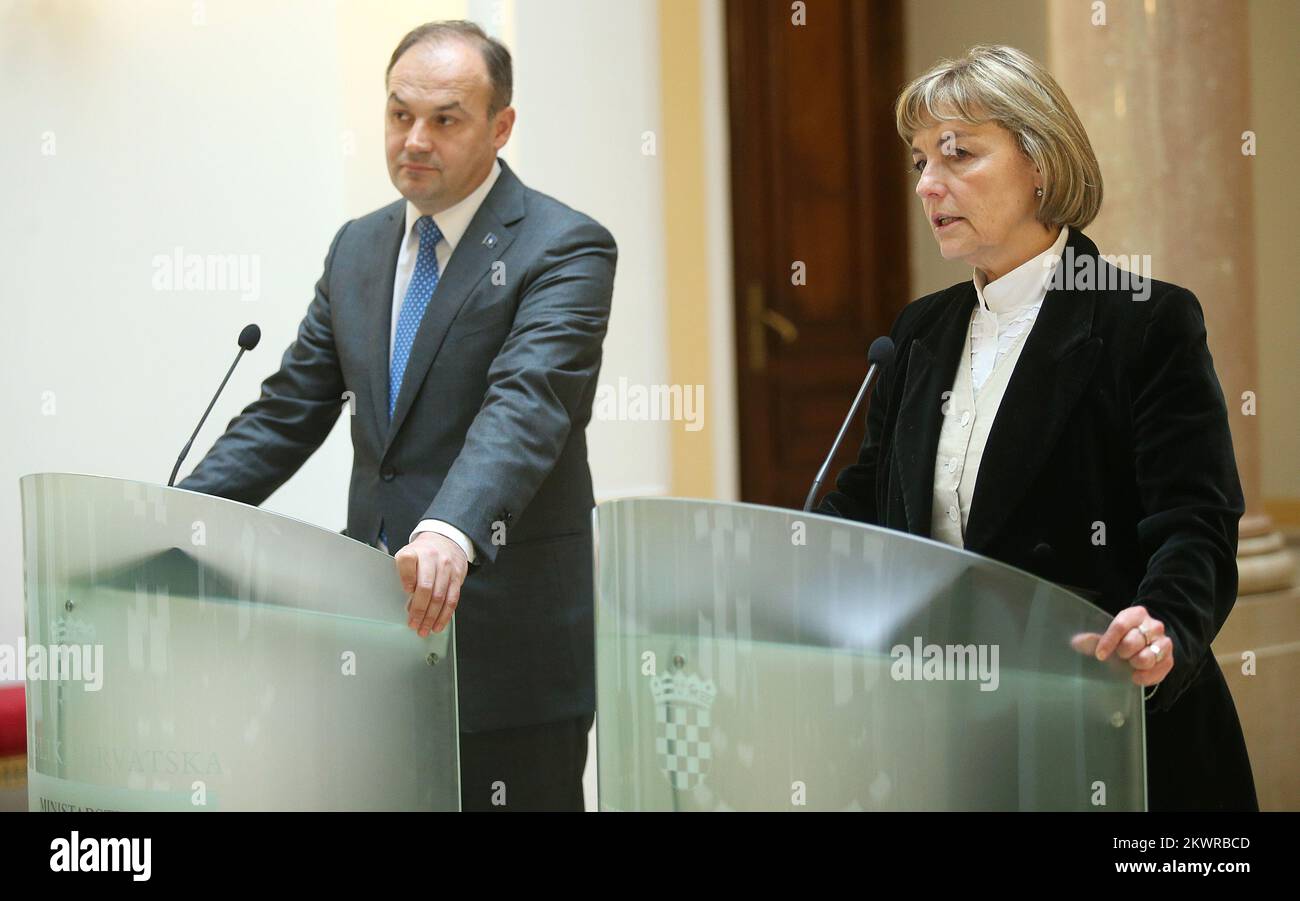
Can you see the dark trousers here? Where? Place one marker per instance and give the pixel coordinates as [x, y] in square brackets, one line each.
[526, 768]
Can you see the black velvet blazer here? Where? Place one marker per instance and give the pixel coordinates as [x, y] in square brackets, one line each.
[1113, 414]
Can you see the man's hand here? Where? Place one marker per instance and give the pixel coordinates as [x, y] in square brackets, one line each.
[432, 569]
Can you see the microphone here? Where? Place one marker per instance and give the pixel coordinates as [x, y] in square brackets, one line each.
[879, 355]
[248, 339]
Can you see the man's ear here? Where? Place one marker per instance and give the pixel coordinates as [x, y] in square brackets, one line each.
[503, 125]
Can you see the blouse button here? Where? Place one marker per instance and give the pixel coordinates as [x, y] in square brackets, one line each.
[952, 513]
[965, 417]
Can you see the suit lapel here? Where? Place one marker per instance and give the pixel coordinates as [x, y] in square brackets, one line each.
[1055, 365]
[380, 272]
[931, 365]
[468, 265]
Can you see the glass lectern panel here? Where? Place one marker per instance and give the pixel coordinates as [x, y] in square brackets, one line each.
[201, 654]
[752, 658]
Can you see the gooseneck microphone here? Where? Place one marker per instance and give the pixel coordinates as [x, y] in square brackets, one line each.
[248, 339]
[879, 355]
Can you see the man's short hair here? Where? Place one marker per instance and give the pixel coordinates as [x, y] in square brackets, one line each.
[495, 54]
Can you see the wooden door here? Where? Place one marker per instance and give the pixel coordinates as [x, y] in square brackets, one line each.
[819, 190]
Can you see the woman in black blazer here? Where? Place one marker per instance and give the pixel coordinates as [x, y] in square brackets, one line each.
[1110, 424]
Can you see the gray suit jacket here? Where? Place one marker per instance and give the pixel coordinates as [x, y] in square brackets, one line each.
[488, 433]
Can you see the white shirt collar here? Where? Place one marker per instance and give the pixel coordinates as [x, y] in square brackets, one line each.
[455, 220]
[1024, 285]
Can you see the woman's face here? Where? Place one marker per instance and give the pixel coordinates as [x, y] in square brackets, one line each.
[977, 176]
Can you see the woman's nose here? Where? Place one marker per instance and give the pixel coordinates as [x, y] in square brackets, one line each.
[929, 185]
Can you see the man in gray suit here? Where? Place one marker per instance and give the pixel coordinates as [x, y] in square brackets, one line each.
[463, 325]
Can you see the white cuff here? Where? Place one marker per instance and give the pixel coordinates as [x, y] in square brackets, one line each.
[450, 531]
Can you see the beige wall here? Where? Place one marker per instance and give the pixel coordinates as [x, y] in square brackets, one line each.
[697, 240]
[681, 74]
[1275, 114]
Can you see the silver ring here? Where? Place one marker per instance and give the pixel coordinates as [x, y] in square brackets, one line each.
[1155, 648]
[1142, 627]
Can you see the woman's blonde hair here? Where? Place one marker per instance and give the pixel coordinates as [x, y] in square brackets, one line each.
[1004, 85]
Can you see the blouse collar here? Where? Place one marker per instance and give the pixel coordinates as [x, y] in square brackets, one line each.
[1023, 286]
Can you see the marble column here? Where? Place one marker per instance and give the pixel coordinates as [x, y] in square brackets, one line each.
[1163, 89]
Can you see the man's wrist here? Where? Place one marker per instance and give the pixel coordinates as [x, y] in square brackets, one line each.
[447, 530]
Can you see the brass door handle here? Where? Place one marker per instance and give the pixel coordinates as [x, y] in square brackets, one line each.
[760, 317]
[788, 331]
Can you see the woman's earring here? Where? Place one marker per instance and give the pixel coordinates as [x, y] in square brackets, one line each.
[1038, 192]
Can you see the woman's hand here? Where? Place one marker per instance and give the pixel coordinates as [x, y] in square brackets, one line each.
[1141, 640]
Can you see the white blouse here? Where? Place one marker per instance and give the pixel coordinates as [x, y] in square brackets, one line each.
[999, 326]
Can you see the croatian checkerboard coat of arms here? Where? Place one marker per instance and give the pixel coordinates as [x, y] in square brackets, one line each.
[682, 704]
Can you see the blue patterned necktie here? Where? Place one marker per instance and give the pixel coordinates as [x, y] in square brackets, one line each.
[418, 293]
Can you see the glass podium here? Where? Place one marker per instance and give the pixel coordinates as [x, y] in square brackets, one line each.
[186, 652]
[753, 658]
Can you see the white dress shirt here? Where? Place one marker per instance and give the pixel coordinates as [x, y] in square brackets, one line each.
[452, 223]
[999, 326]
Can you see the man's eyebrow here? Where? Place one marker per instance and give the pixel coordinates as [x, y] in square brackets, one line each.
[454, 105]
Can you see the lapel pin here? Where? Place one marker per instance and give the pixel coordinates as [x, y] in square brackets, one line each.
[489, 240]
